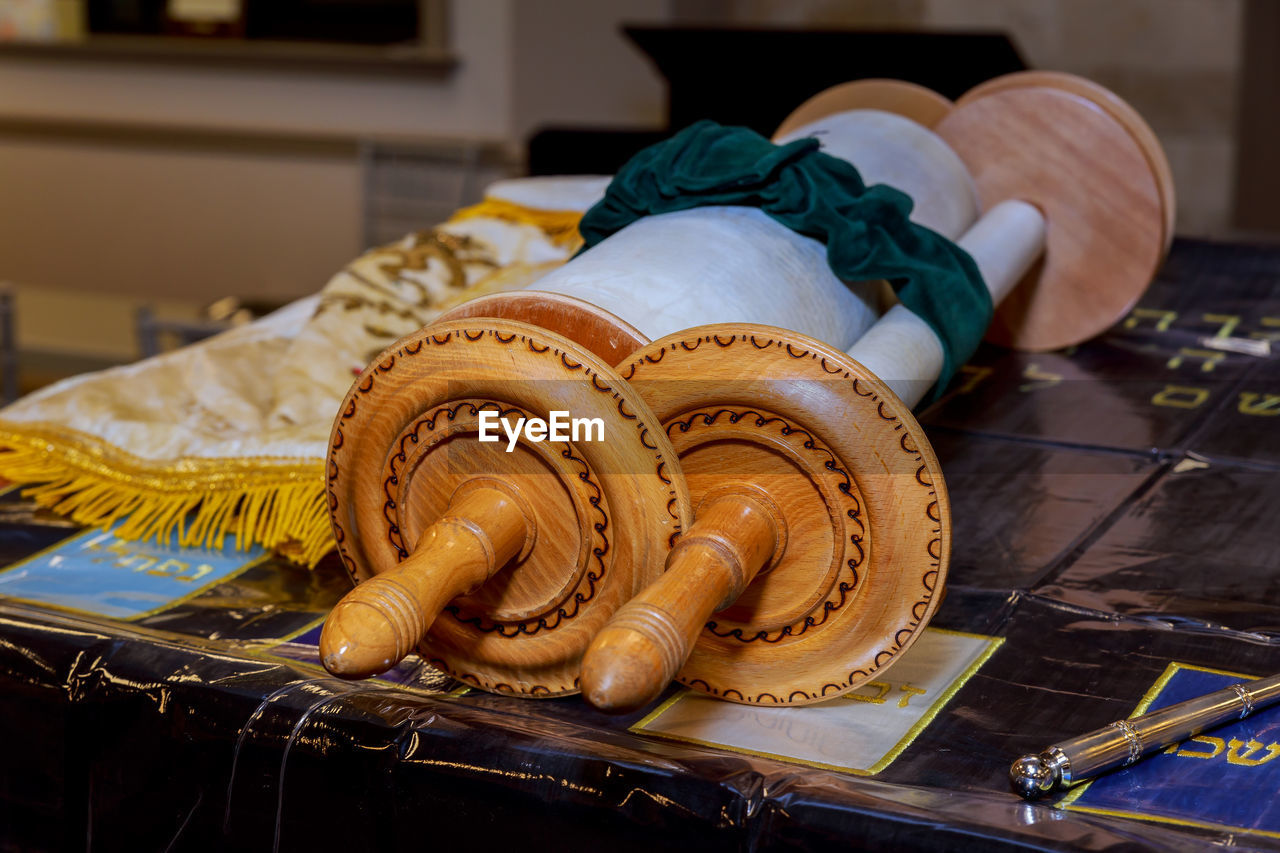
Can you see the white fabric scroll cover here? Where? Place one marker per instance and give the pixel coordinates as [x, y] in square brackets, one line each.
[229, 436]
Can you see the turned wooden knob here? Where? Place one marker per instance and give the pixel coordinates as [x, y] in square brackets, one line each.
[380, 621]
[496, 560]
[738, 530]
[821, 541]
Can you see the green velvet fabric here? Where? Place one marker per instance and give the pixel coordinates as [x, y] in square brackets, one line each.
[865, 229]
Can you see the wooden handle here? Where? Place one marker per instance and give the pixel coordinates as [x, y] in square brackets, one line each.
[380, 621]
[1070, 150]
[1005, 243]
[635, 656]
[902, 350]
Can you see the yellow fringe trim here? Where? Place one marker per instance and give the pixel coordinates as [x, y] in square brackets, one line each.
[560, 226]
[278, 503]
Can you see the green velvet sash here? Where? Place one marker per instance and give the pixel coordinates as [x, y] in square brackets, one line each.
[865, 229]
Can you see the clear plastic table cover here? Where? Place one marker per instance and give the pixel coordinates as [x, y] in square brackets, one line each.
[1114, 511]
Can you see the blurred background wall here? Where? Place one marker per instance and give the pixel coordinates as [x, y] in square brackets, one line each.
[1177, 61]
[130, 175]
[170, 172]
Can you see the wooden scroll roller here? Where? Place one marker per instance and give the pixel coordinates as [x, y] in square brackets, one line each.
[821, 532]
[666, 272]
[500, 568]
[808, 470]
[497, 565]
[504, 586]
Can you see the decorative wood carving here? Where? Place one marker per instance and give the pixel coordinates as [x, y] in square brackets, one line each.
[806, 470]
[565, 531]
[822, 537]
[604, 333]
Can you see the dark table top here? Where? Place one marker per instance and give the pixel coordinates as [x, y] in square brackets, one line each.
[1115, 545]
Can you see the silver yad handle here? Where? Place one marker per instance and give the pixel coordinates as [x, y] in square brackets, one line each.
[1126, 741]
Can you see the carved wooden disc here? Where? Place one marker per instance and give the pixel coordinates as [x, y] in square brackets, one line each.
[603, 332]
[918, 103]
[866, 510]
[1113, 104]
[1094, 184]
[605, 511]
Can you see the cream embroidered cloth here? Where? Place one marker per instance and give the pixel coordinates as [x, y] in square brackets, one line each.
[228, 436]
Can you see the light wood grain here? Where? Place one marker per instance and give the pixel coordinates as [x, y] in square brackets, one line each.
[863, 508]
[822, 538]
[1080, 154]
[631, 661]
[603, 332]
[380, 621]
[1095, 187]
[598, 516]
[1115, 106]
[918, 103]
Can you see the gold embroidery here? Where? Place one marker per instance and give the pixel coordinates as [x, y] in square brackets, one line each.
[1039, 378]
[1252, 403]
[1163, 318]
[454, 252]
[1181, 397]
[910, 691]
[1244, 758]
[878, 699]
[973, 375]
[1210, 358]
[1216, 746]
[1228, 323]
[278, 503]
[560, 226]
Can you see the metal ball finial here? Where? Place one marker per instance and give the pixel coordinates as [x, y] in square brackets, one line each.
[1031, 776]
